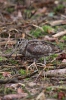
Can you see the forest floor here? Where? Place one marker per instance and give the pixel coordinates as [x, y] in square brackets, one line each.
[43, 20]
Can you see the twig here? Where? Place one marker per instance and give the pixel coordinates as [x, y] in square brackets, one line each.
[38, 27]
[57, 22]
[57, 72]
[59, 34]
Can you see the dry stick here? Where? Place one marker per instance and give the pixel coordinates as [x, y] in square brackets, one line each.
[11, 42]
[57, 72]
[61, 87]
[59, 34]
[57, 22]
[38, 27]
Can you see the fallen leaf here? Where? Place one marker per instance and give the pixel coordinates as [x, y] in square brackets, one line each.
[19, 90]
[14, 96]
[61, 95]
[61, 56]
[41, 11]
[41, 96]
[64, 61]
[6, 74]
[31, 84]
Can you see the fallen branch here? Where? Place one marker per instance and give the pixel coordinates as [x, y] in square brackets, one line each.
[4, 81]
[57, 22]
[15, 96]
[59, 34]
[61, 87]
[38, 27]
[57, 72]
[9, 43]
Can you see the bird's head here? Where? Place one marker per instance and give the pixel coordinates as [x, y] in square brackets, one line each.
[22, 43]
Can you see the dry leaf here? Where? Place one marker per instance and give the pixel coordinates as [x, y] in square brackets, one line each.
[14, 96]
[41, 11]
[61, 56]
[19, 90]
[6, 74]
[64, 61]
[41, 96]
[61, 95]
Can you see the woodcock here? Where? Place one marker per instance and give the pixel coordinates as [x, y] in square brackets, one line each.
[35, 48]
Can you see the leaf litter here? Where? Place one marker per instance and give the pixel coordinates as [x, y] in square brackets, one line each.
[42, 20]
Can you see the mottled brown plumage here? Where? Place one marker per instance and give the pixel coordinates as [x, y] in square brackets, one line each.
[34, 48]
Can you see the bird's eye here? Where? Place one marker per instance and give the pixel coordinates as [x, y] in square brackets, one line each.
[19, 42]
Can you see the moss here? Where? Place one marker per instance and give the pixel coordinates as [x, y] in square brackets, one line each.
[8, 50]
[47, 28]
[22, 72]
[10, 9]
[59, 8]
[27, 13]
[12, 61]
[2, 58]
[61, 45]
[64, 38]
[38, 33]
[9, 90]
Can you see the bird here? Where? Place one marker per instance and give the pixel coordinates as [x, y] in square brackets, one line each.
[35, 48]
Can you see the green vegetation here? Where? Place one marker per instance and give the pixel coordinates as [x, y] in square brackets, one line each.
[61, 45]
[22, 72]
[8, 50]
[48, 57]
[9, 90]
[64, 38]
[12, 61]
[47, 28]
[10, 9]
[59, 8]
[49, 88]
[38, 32]
[2, 58]
[1, 89]
[27, 13]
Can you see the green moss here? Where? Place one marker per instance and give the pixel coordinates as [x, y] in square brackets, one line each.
[61, 45]
[49, 88]
[1, 89]
[27, 13]
[10, 9]
[46, 28]
[50, 57]
[8, 50]
[38, 32]
[59, 8]
[9, 91]
[64, 38]
[12, 61]
[22, 72]
[2, 58]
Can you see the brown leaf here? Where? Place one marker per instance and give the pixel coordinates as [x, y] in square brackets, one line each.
[61, 95]
[41, 11]
[64, 60]
[19, 91]
[61, 56]
[6, 74]
[14, 96]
